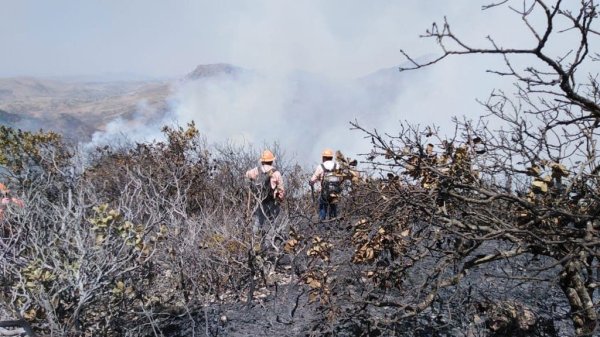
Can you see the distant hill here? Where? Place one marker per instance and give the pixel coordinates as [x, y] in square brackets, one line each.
[76, 108]
[212, 70]
[7, 118]
[73, 128]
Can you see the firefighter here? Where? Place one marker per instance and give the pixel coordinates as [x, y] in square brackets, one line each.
[329, 181]
[267, 189]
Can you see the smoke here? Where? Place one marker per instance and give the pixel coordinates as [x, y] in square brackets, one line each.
[305, 111]
[143, 125]
[302, 112]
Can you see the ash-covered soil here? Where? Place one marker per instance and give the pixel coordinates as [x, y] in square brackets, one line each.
[284, 307]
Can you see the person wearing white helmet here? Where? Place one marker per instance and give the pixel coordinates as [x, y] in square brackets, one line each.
[267, 189]
[326, 174]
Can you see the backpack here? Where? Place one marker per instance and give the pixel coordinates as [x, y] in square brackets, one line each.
[331, 184]
[262, 185]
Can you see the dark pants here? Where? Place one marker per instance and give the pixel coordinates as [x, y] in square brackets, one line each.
[268, 210]
[327, 210]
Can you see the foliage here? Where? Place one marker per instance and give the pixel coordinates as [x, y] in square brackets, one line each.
[23, 151]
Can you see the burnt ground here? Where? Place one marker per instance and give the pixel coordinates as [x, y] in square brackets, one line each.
[273, 315]
[284, 308]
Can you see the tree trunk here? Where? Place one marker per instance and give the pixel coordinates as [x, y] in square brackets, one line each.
[582, 308]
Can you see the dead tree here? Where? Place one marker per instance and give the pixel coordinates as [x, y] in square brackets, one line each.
[518, 184]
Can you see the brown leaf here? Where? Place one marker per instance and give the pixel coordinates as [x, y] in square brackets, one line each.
[313, 296]
[369, 253]
[290, 245]
[315, 284]
[539, 186]
[534, 171]
[429, 149]
[559, 170]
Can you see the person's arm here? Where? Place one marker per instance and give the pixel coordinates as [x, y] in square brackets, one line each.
[277, 178]
[316, 176]
[252, 173]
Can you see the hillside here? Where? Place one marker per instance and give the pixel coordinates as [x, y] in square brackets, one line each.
[85, 107]
[80, 107]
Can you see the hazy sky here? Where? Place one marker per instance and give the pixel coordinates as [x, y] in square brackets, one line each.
[343, 38]
[335, 40]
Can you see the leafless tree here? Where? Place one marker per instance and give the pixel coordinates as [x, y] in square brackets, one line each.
[513, 195]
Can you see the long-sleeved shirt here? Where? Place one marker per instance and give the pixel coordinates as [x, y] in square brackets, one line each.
[276, 179]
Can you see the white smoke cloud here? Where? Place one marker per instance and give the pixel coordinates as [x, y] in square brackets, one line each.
[143, 126]
[301, 111]
[306, 111]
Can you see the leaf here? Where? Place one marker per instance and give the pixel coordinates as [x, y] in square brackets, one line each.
[313, 296]
[315, 284]
[129, 291]
[429, 149]
[539, 186]
[30, 314]
[163, 229]
[369, 253]
[559, 170]
[145, 250]
[47, 276]
[534, 171]
[361, 222]
[290, 245]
